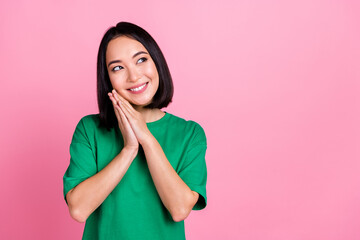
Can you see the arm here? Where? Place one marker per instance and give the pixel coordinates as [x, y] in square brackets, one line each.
[174, 193]
[89, 194]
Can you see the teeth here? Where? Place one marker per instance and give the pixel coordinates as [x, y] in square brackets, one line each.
[138, 88]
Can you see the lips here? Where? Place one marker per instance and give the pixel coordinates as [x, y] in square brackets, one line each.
[138, 88]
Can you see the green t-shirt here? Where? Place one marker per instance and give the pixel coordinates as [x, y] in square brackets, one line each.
[134, 210]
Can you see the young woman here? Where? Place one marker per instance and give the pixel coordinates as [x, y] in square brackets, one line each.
[135, 171]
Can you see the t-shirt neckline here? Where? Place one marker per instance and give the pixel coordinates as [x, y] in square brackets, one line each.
[160, 121]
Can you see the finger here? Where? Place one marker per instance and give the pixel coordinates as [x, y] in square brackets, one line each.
[120, 107]
[123, 117]
[119, 102]
[117, 96]
[124, 105]
[116, 109]
[121, 99]
[113, 100]
[128, 109]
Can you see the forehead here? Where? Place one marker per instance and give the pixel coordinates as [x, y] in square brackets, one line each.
[123, 47]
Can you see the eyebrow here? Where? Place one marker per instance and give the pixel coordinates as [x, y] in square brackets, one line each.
[135, 55]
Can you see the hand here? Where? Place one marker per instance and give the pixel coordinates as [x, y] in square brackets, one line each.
[124, 125]
[135, 119]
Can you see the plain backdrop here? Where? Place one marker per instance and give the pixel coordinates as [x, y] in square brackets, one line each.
[275, 85]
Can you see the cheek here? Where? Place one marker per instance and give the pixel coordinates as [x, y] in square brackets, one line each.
[115, 81]
[150, 70]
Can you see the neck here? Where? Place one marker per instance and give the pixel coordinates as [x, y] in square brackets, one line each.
[150, 114]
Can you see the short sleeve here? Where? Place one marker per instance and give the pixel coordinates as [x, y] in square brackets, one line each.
[82, 159]
[194, 172]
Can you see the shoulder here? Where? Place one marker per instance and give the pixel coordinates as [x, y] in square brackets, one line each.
[189, 127]
[91, 119]
[87, 124]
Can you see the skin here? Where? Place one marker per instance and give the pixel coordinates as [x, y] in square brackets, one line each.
[129, 65]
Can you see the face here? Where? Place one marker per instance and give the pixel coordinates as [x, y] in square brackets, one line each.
[132, 71]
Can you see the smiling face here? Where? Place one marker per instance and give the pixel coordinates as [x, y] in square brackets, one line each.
[131, 70]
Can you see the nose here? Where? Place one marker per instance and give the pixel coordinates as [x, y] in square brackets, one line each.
[133, 74]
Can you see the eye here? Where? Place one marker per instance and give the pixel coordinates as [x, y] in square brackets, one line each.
[143, 59]
[117, 68]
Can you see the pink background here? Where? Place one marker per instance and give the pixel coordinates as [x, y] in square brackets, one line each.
[275, 84]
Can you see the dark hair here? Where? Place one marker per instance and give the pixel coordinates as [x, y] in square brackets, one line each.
[165, 91]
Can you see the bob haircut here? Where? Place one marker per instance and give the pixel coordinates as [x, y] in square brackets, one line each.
[165, 91]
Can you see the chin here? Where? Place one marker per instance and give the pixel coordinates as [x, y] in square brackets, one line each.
[140, 104]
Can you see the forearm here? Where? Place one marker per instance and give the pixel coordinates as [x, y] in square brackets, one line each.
[173, 191]
[89, 194]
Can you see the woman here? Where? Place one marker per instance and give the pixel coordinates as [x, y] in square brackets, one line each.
[135, 171]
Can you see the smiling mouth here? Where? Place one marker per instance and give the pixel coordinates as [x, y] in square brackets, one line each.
[139, 88]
